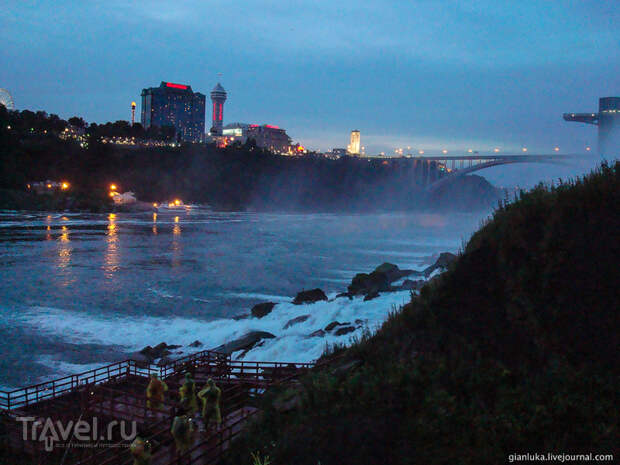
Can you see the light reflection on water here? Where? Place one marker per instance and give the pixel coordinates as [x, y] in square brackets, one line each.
[201, 265]
[112, 255]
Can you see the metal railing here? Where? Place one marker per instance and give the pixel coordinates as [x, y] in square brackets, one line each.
[33, 394]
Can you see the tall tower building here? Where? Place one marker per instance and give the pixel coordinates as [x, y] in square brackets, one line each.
[355, 143]
[174, 105]
[218, 97]
[133, 113]
[608, 121]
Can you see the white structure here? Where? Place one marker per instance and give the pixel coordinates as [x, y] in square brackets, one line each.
[354, 145]
[124, 199]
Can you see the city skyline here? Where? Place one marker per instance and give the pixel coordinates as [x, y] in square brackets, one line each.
[476, 77]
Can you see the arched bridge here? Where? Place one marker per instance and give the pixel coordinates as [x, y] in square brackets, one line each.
[456, 167]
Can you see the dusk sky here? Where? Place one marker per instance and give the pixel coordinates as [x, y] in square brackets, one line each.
[427, 74]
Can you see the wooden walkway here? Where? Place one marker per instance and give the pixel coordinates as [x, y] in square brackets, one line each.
[116, 394]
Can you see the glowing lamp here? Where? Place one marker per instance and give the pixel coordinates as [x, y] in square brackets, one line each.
[64, 186]
[112, 187]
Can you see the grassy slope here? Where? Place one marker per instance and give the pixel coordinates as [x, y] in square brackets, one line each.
[513, 350]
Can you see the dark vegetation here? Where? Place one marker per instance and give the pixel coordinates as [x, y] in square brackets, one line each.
[237, 177]
[514, 349]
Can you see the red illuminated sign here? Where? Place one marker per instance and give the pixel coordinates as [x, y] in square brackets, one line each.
[175, 86]
[271, 126]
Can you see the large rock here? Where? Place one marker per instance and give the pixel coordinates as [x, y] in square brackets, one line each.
[344, 330]
[371, 295]
[311, 296]
[333, 324]
[262, 309]
[442, 263]
[364, 283]
[245, 343]
[160, 350]
[196, 343]
[294, 321]
[379, 280]
[317, 333]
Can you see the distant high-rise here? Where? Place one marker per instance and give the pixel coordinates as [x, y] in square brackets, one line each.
[175, 105]
[608, 121]
[218, 97]
[355, 143]
[133, 113]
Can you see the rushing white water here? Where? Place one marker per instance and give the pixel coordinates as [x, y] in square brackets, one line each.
[79, 291]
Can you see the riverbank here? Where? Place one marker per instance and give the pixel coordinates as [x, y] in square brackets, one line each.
[513, 349]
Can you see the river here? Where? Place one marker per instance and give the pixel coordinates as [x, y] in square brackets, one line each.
[81, 290]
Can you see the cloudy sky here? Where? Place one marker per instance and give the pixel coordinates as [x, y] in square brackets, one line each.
[428, 74]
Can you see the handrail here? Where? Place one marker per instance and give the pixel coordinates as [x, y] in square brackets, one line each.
[35, 393]
[230, 369]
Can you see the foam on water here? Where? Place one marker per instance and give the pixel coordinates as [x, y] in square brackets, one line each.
[291, 344]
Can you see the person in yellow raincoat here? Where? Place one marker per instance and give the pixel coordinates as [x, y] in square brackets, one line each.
[187, 393]
[183, 433]
[140, 451]
[155, 392]
[210, 397]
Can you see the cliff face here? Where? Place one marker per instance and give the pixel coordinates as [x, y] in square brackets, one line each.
[513, 349]
[466, 193]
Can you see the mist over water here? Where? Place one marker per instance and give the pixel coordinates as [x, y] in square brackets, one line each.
[80, 290]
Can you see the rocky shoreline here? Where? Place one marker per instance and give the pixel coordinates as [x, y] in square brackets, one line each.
[385, 278]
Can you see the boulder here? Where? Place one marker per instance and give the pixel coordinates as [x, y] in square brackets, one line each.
[344, 330]
[379, 280]
[371, 295]
[311, 296]
[344, 294]
[364, 283]
[262, 309]
[332, 325]
[294, 321]
[318, 333]
[196, 343]
[245, 343]
[160, 350]
[444, 260]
